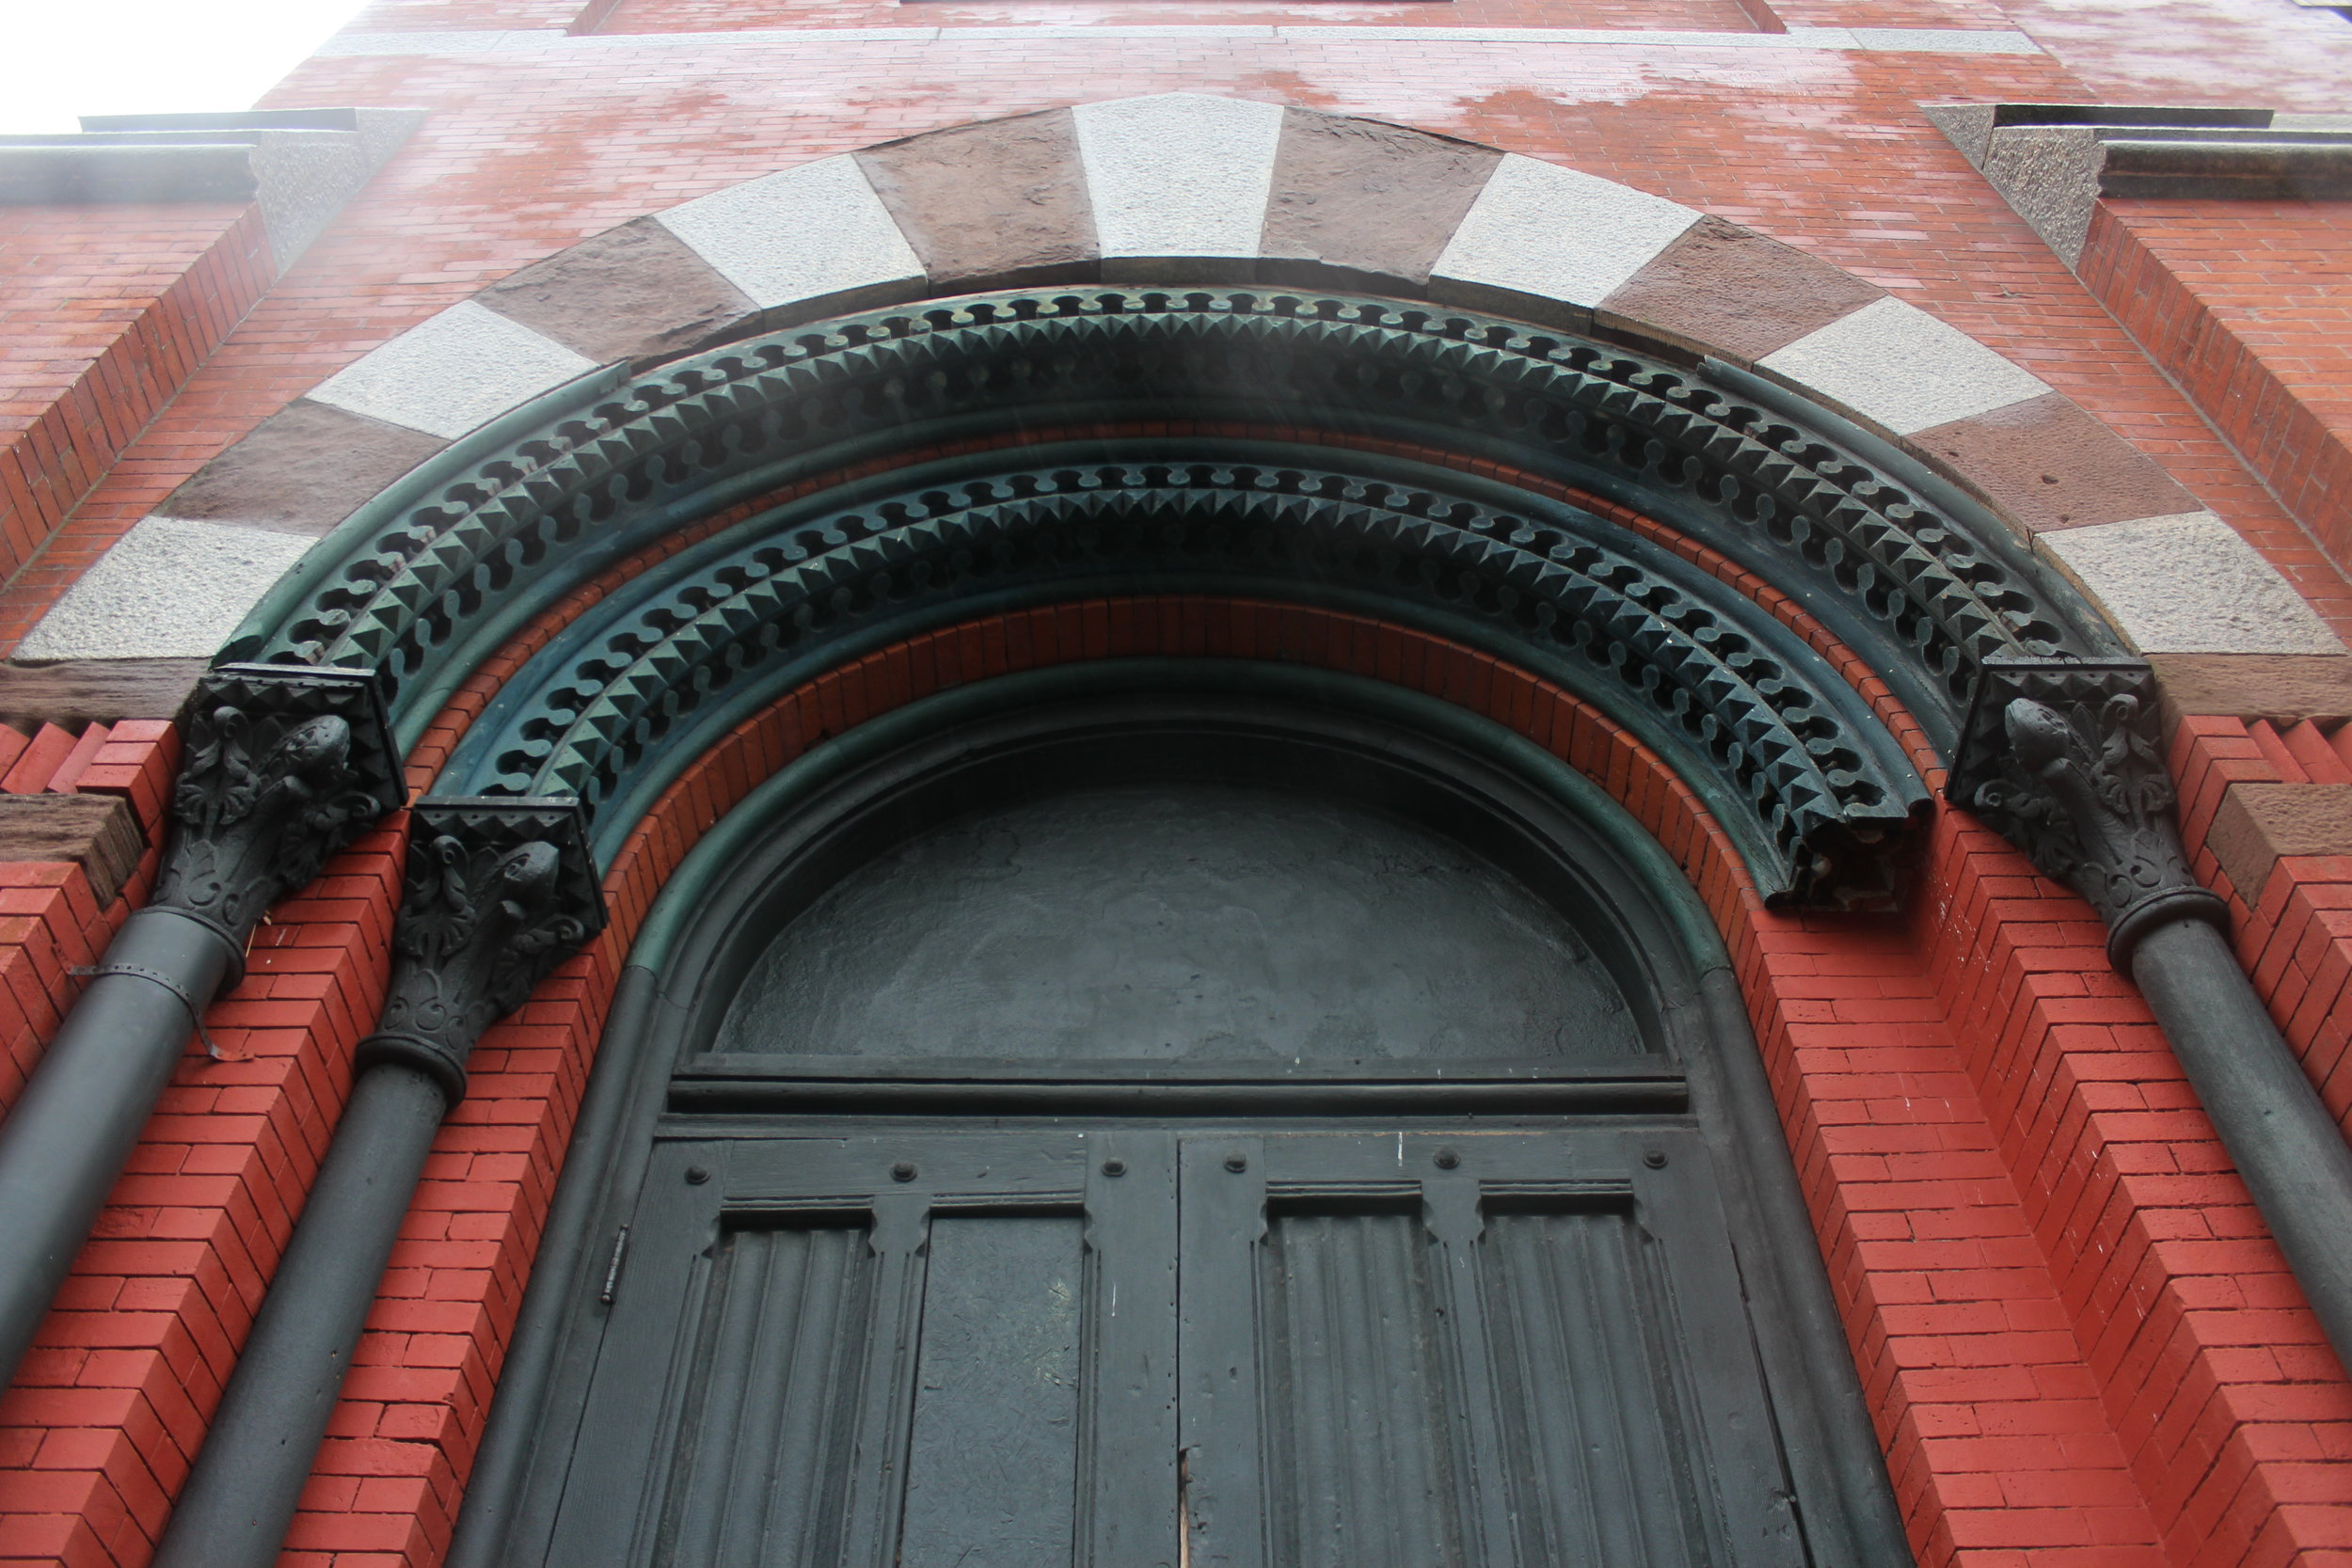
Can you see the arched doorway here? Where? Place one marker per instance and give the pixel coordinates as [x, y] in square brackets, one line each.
[1160, 1115]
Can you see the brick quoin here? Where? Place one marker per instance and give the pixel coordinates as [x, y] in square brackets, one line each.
[2249, 311]
[104, 313]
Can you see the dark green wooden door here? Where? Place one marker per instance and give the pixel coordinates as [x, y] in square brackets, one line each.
[1128, 1346]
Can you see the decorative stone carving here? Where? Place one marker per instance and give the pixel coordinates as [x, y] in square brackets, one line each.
[499, 890]
[2064, 759]
[283, 765]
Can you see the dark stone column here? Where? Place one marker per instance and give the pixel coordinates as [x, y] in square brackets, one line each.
[284, 765]
[498, 892]
[2064, 759]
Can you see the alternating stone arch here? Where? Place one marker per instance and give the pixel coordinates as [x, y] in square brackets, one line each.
[1181, 254]
[1206, 190]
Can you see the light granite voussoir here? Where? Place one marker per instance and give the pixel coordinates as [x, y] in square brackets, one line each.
[450, 373]
[171, 588]
[803, 234]
[1177, 175]
[2189, 584]
[1556, 233]
[1902, 368]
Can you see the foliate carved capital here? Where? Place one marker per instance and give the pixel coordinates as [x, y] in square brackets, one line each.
[2064, 759]
[499, 890]
[281, 765]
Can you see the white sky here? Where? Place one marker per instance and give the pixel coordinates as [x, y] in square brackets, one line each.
[69, 57]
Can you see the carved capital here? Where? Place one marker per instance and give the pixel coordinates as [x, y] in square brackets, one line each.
[2063, 757]
[282, 765]
[499, 890]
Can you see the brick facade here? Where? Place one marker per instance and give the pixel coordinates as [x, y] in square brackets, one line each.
[2080, 1347]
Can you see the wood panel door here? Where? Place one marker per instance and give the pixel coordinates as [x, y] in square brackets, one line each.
[1136, 1348]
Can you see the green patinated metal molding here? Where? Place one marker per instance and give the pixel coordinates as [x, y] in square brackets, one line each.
[615, 707]
[423, 584]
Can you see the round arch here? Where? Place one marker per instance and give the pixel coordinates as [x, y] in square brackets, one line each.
[1906, 457]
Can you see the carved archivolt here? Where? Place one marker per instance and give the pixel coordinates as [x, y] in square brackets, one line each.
[1697, 669]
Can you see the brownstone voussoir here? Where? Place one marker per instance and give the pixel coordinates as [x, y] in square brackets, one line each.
[637, 292]
[1375, 201]
[1727, 290]
[100, 832]
[1001, 204]
[2260, 822]
[2049, 463]
[302, 470]
[84, 691]
[2282, 688]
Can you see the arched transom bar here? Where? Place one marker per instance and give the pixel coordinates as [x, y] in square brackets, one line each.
[1783, 748]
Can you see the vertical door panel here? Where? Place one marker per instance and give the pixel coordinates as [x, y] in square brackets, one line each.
[1597, 1452]
[769, 1424]
[1501, 1350]
[1128, 1495]
[1363, 1467]
[1222, 1217]
[643, 1368]
[922, 1351]
[993, 1466]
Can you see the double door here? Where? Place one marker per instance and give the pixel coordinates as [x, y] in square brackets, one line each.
[1126, 1347]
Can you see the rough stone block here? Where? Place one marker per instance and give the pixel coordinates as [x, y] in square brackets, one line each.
[450, 373]
[1178, 175]
[2283, 688]
[1000, 204]
[302, 470]
[1732, 292]
[2260, 822]
[1375, 199]
[85, 691]
[1902, 368]
[813, 234]
[2049, 463]
[633, 292]
[2187, 584]
[171, 588]
[98, 832]
[1555, 234]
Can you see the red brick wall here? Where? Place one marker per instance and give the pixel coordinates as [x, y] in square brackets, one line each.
[104, 313]
[2248, 305]
[50, 920]
[525, 153]
[693, 15]
[2079, 1346]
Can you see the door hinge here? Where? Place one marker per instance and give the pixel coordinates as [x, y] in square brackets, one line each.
[612, 1267]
